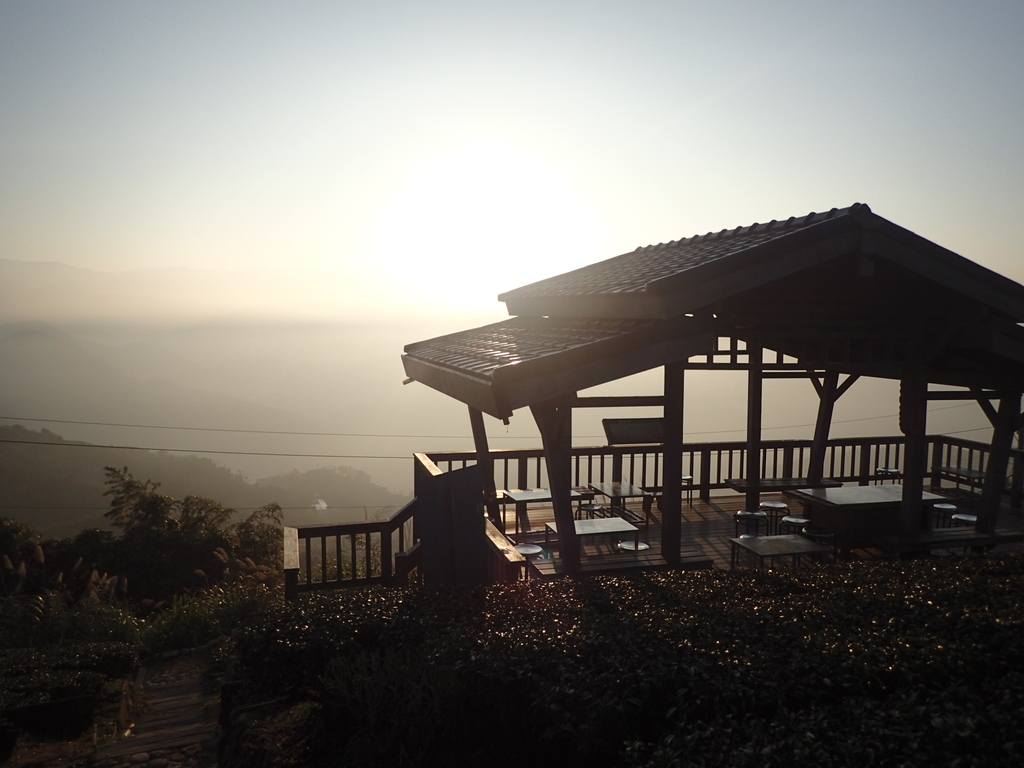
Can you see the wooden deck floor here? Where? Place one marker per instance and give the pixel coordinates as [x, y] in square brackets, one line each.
[706, 530]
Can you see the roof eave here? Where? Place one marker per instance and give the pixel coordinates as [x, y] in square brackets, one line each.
[476, 392]
[509, 387]
[945, 267]
[523, 385]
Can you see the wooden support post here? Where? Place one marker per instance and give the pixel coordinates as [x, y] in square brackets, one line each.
[826, 405]
[705, 475]
[1017, 477]
[1004, 424]
[554, 420]
[672, 469]
[291, 563]
[913, 424]
[486, 462]
[523, 482]
[755, 381]
[787, 462]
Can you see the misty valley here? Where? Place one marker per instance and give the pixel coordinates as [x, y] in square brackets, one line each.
[56, 486]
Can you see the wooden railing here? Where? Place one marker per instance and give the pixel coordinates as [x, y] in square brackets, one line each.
[849, 460]
[349, 554]
[709, 464]
[318, 557]
[385, 552]
[971, 456]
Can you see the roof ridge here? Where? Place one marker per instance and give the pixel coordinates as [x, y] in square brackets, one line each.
[792, 222]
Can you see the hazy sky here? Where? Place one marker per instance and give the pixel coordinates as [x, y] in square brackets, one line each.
[439, 153]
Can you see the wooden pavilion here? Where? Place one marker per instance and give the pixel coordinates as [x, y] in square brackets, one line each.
[827, 296]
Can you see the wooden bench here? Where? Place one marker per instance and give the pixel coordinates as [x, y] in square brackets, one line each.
[973, 478]
[689, 560]
[631, 516]
[951, 538]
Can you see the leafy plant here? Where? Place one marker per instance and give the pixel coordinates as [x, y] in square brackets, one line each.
[886, 663]
[169, 547]
[194, 620]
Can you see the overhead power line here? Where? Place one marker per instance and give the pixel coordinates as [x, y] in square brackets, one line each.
[199, 450]
[415, 437]
[235, 509]
[216, 429]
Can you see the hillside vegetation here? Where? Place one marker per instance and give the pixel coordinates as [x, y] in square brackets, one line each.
[57, 488]
[886, 663]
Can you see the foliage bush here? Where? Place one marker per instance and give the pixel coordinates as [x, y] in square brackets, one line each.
[194, 620]
[33, 676]
[168, 547]
[887, 663]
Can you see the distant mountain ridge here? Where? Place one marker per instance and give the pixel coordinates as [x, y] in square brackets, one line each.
[55, 291]
[48, 373]
[57, 488]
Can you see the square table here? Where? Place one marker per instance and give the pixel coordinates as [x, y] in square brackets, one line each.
[772, 484]
[536, 495]
[859, 515]
[788, 545]
[619, 490]
[522, 497]
[596, 527]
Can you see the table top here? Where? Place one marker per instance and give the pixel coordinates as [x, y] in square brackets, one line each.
[535, 494]
[857, 496]
[781, 546]
[782, 483]
[618, 489]
[598, 525]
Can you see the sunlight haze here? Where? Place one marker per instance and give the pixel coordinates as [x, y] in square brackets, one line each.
[268, 200]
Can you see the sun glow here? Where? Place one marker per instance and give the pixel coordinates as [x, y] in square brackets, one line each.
[471, 223]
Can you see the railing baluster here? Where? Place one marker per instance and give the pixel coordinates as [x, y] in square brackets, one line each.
[309, 561]
[711, 464]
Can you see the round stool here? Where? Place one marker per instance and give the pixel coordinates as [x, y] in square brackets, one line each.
[528, 549]
[775, 510]
[962, 518]
[944, 514]
[590, 510]
[631, 546]
[687, 480]
[793, 524]
[749, 519]
[821, 536]
[892, 473]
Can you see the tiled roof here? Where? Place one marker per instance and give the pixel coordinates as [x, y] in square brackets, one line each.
[633, 272]
[481, 351]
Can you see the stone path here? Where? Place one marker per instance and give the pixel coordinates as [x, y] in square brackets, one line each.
[178, 727]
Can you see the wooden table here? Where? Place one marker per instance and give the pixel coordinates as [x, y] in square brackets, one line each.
[596, 527]
[619, 490]
[522, 497]
[536, 495]
[742, 485]
[859, 515]
[790, 545]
